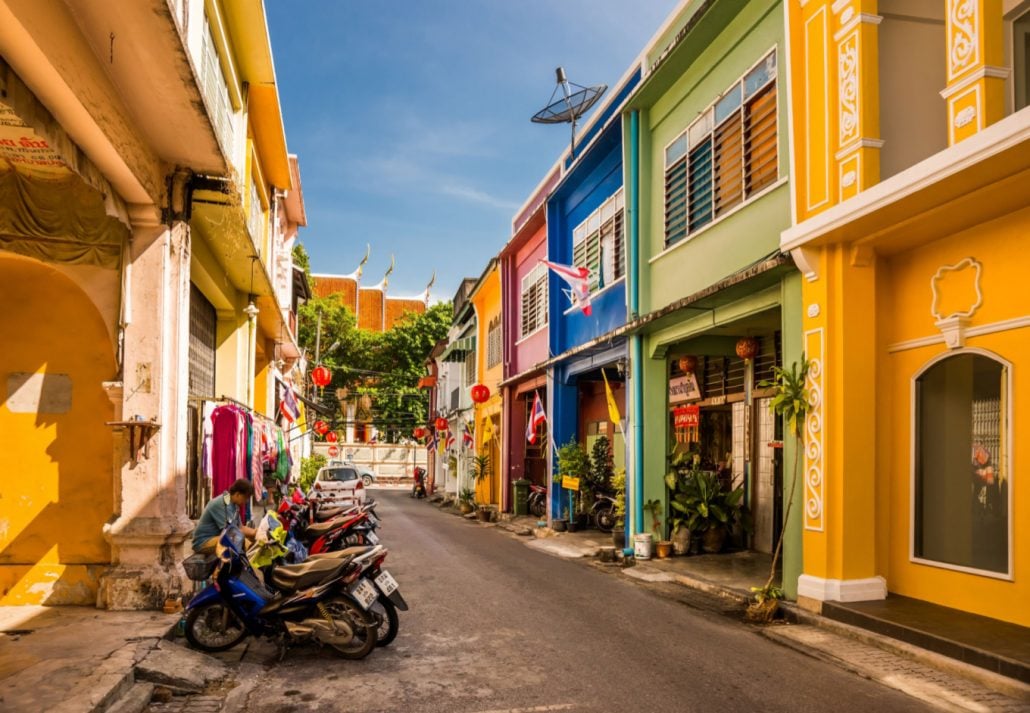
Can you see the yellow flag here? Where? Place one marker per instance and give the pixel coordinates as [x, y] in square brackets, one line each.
[613, 410]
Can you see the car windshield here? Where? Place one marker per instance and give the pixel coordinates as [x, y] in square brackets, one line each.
[339, 475]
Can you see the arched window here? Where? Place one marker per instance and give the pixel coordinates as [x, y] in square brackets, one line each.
[962, 479]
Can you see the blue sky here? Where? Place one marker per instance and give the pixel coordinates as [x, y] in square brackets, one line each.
[411, 119]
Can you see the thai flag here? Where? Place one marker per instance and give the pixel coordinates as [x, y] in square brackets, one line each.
[374, 439]
[467, 439]
[535, 418]
[450, 440]
[288, 404]
[578, 280]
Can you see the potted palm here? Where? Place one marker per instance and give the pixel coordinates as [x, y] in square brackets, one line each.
[466, 498]
[480, 471]
[791, 402]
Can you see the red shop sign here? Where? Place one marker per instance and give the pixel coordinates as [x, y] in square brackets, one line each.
[686, 416]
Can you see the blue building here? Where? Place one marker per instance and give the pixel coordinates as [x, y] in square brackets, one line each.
[586, 226]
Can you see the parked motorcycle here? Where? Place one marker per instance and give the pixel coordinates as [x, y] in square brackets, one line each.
[389, 599]
[603, 512]
[537, 500]
[419, 489]
[323, 601]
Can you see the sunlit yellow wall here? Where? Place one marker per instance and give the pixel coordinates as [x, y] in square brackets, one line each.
[487, 303]
[56, 490]
[1000, 246]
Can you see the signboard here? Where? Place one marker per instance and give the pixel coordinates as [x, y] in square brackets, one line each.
[686, 416]
[684, 388]
[569, 483]
[333, 451]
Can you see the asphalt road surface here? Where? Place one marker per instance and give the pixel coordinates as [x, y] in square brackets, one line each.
[497, 627]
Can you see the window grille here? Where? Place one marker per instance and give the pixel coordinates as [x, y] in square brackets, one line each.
[725, 156]
[493, 343]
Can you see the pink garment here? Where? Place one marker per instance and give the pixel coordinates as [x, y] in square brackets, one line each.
[228, 448]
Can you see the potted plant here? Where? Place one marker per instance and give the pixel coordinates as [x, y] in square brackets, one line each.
[791, 402]
[619, 531]
[479, 470]
[561, 524]
[710, 509]
[574, 462]
[466, 498]
[654, 508]
[681, 482]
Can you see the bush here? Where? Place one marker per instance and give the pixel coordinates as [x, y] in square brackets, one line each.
[309, 468]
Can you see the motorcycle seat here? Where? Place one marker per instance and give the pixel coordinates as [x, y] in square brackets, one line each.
[347, 553]
[292, 577]
[324, 514]
[320, 528]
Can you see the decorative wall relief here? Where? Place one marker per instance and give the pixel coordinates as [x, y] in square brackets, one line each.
[847, 68]
[956, 297]
[814, 432]
[963, 26]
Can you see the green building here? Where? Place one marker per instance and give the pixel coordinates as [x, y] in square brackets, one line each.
[706, 157]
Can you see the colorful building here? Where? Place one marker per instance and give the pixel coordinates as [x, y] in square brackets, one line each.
[486, 301]
[706, 155]
[524, 329]
[911, 167]
[138, 279]
[586, 226]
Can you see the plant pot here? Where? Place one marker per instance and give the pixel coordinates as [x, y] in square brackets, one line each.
[713, 540]
[559, 524]
[619, 538]
[573, 526]
[483, 514]
[465, 508]
[763, 613]
[681, 541]
[695, 543]
[663, 548]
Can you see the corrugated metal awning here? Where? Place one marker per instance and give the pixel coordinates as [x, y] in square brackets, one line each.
[457, 349]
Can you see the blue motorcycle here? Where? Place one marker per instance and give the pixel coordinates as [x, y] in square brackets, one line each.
[322, 601]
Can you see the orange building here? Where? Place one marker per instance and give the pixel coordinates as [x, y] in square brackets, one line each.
[374, 309]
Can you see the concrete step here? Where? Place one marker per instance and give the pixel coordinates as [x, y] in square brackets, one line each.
[135, 700]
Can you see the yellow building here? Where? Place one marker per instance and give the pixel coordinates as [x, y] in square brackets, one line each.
[143, 264]
[911, 168]
[486, 300]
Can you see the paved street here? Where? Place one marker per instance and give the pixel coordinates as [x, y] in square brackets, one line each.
[498, 626]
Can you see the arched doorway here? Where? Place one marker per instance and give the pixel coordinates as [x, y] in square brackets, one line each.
[57, 459]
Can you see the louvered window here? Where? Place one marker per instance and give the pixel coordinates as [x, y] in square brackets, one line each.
[534, 301]
[599, 243]
[727, 155]
[493, 343]
[203, 324]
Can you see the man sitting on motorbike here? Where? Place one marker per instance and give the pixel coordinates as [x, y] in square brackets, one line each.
[222, 510]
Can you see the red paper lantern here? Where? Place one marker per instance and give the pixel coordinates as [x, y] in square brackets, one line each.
[331, 437]
[321, 427]
[333, 451]
[480, 393]
[688, 364]
[321, 376]
[419, 432]
[440, 423]
[747, 348]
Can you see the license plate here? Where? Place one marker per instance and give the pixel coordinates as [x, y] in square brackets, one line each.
[372, 537]
[386, 583]
[364, 592]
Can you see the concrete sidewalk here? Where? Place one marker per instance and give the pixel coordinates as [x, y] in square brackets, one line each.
[944, 683]
[71, 659]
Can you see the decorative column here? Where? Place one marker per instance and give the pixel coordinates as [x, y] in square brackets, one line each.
[976, 78]
[150, 525]
[858, 96]
[839, 475]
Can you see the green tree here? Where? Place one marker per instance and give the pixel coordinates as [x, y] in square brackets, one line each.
[385, 366]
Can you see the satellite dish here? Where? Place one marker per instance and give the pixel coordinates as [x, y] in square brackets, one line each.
[574, 103]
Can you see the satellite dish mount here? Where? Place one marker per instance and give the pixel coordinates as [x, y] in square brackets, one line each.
[574, 103]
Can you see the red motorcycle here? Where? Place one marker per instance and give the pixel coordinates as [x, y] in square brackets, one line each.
[345, 527]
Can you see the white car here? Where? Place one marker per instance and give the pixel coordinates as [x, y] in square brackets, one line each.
[338, 484]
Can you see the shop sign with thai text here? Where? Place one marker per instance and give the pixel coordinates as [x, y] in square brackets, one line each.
[683, 388]
[569, 483]
[686, 416]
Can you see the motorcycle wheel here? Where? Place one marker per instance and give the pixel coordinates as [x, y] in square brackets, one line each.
[538, 508]
[604, 520]
[385, 614]
[214, 627]
[361, 623]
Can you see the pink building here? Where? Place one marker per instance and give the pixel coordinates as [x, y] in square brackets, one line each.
[524, 300]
